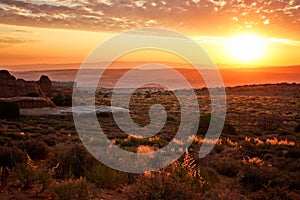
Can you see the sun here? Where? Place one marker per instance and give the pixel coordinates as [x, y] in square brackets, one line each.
[245, 48]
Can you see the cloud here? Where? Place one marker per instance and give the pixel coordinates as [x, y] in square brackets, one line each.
[224, 40]
[284, 41]
[196, 16]
[10, 41]
[21, 31]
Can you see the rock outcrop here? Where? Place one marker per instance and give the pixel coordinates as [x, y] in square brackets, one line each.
[45, 84]
[30, 102]
[27, 94]
[12, 87]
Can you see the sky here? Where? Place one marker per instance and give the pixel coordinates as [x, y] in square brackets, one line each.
[250, 32]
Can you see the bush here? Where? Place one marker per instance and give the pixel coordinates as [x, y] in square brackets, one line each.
[74, 161]
[228, 167]
[297, 129]
[9, 110]
[70, 190]
[161, 186]
[228, 129]
[61, 100]
[24, 175]
[28, 175]
[11, 156]
[105, 177]
[277, 193]
[203, 124]
[33, 94]
[268, 122]
[219, 148]
[179, 181]
[37, 150]
[255, 177]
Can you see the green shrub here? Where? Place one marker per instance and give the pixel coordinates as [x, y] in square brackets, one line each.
[9, 110]
[105, 177]
[11, 156]
[70, 190]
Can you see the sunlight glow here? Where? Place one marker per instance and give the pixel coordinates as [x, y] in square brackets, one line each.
[246, 47]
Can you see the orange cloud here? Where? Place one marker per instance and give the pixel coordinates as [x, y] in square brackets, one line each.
[209, 17]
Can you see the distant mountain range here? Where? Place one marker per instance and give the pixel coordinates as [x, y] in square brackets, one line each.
[232, 76]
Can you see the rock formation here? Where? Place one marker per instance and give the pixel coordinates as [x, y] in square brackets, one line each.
[12, 87]
[27, 94]
[45, 84]
[30, 102]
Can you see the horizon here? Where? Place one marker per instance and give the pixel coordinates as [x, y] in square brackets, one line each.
[63, 32]
[118, 65]
[231, 77]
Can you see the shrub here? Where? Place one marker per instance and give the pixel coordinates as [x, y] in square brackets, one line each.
[219, 148]
[43, 177]
[70, 190]
[227, 167]
[203, 124]
[254, 177]
[228, 129]
[297, 129]
[11, 156]
[61, 100]
[268, 122]
[3, 130]
[9, 110]
[277, 193]
[37, 150]
[105, 177]
[28, 175]
[210, 176]
[161, 186]
[179, 181]
[33, 94]
[74, 161]
[24, 175]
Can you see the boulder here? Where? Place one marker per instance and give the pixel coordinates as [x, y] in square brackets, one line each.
[45, 84]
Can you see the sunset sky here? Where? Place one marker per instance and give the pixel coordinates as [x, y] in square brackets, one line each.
[254, 32]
